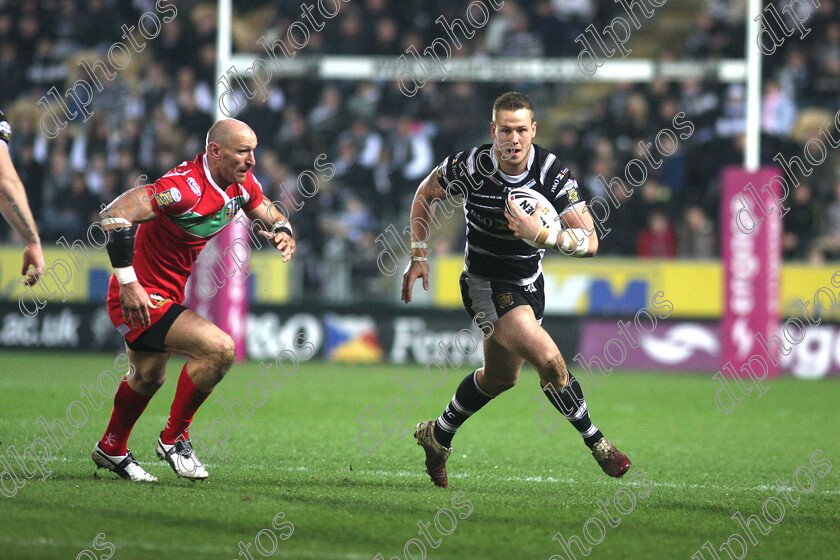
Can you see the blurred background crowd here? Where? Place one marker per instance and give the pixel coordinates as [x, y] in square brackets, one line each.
[155, 114]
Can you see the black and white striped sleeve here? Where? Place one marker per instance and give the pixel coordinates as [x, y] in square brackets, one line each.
[5, 129]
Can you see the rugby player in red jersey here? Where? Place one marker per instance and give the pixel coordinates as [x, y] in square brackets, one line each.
[177, 215]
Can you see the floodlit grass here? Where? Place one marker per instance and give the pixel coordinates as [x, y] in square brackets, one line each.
[297, 455]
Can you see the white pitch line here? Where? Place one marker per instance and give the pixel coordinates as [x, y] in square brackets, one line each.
[536, 479]
[569, 480]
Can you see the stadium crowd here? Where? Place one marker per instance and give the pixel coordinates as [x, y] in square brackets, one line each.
[155, 113]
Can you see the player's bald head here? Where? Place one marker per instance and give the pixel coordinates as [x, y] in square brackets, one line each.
[224, 132]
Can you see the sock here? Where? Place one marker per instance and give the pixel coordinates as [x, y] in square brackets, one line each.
[572, 406]
[128, 406]
[468, 399]
[188, 398]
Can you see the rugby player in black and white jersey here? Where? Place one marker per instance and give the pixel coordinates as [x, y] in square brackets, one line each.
[15, 208]
[502, 283]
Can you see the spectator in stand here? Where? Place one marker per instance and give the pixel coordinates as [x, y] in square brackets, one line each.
[500, 26]
[363, 103]
[696, 237]
[795, 76]
[657, 240]
[673, 172]
[828, 242]
[653, 197]
[778, 111]
[353, 37]
[386, 37]
[625, 224]
[349, 171]
[827, 77]
[799, 224]
[325, 118]
[555, 35]
[412, 149]
[574, 16]
[157, 104]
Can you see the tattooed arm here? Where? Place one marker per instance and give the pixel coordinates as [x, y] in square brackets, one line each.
[15, 208]
[428, 192]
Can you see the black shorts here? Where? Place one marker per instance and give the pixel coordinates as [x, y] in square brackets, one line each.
[494, 299]
[152, 339]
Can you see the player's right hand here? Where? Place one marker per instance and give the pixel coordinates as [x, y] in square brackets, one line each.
[415, 270]
[33, 257]
[135, 302]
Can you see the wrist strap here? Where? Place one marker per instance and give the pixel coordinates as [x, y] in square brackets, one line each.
[284, 227]
[125, 275]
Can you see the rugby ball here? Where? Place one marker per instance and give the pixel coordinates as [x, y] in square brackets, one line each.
[527, 200]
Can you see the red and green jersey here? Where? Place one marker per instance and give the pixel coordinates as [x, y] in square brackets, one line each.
[191, 209]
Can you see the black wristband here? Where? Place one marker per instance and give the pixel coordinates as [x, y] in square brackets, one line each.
[283, 228]
[121, 246]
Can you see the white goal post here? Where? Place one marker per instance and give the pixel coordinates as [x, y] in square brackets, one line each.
[389, 68]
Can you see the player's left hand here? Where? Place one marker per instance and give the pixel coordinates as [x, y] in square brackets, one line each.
[32, 256]
[523, 225]
[282, 241]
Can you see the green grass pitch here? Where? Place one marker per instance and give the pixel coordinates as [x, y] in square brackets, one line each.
[297, 455]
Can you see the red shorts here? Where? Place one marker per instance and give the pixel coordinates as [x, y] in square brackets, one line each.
[160, 304]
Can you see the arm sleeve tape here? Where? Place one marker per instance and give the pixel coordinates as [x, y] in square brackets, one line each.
[547, 238]
[121, 247]
[576, 243]
[118, 222]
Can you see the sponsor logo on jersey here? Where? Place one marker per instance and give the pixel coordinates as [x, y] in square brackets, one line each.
[559, 179]
[232, 208]
[158, 299]
[168, 197]
[194, 187]
[505, 299]
[489, 223]
[573, 196]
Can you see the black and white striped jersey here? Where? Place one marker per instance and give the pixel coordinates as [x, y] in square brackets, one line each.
[5, 129]
[492, 251]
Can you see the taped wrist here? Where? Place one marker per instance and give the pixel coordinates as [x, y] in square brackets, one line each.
[547, 237]
[575, 243]
[121, 247]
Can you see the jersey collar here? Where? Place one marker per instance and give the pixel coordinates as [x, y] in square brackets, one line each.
[210, 179]
[515, 178]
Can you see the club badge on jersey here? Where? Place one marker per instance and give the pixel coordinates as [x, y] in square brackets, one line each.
[194, 186]
[231, 208]
[168, 197]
